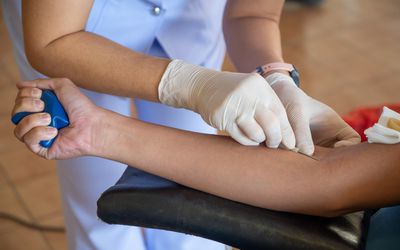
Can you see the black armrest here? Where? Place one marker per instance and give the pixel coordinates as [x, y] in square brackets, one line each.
[189, 211]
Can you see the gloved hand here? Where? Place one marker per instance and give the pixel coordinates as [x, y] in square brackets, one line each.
[311, 120]
[244, 105]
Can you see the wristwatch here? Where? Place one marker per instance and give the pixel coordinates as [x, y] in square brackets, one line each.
[294, 74]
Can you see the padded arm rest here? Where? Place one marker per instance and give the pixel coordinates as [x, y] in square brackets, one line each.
[189, 211]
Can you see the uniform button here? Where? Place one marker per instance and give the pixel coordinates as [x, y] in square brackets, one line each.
[156, 10]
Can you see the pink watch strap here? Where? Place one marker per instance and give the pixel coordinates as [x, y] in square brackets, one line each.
[264, 69]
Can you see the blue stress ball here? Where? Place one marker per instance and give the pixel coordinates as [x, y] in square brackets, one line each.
[59, 118]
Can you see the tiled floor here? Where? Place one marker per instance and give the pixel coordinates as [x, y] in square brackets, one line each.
[347, 52]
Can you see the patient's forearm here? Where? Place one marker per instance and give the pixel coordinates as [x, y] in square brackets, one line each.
[341, 180]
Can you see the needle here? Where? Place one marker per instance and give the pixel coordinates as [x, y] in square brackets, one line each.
[296, 150]
[309, 156]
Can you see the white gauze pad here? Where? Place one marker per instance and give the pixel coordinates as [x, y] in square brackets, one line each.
[387, 130]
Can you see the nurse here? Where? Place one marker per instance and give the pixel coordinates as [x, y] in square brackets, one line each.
[166, 55]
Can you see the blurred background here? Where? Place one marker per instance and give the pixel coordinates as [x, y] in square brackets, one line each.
[346, 51]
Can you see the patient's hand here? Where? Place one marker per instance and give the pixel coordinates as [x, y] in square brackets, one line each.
[76, 139]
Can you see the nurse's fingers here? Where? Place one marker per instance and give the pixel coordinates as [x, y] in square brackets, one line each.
[270, 124]
[27, 104]
[251, 128]
[300, 122]
[29, 122]
[347, 137]
[288, 137]
[238, 136]
[29, 92]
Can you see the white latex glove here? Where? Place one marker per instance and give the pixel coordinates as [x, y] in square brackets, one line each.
[244, 105]
[311, 120]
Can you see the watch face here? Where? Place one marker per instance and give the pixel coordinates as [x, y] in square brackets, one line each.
[294, 74]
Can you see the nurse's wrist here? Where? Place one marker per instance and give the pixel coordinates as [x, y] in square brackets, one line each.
[182, 83]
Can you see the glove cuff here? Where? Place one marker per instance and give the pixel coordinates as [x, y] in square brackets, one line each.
[171, 89]
[182, 83]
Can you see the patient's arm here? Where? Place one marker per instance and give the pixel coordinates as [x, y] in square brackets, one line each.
[341, 180]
